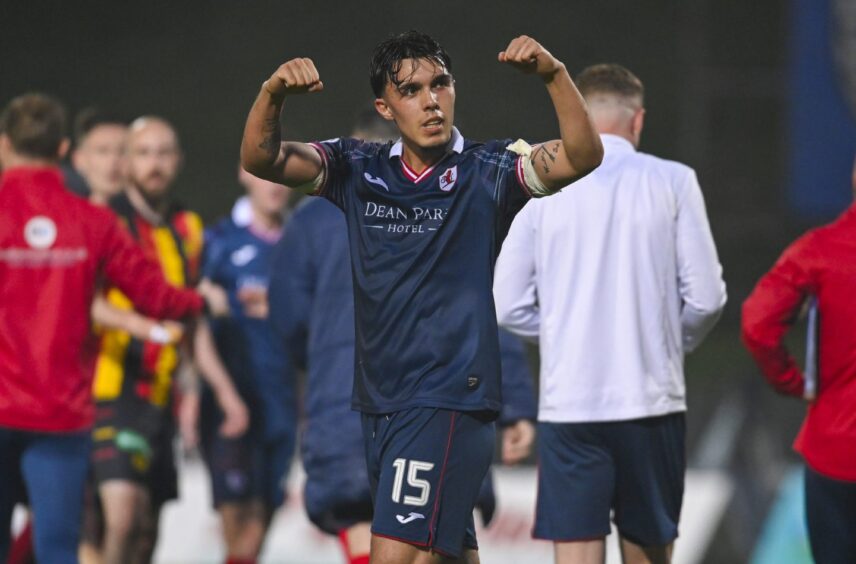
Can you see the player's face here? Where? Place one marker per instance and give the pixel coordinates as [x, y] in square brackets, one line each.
[422, 105]
[153, 159]
[267, 198]
[100, 159]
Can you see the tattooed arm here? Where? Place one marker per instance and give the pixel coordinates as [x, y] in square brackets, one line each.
[263, 153]
[579, 150]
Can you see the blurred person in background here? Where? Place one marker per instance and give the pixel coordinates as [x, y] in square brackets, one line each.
[132, 457]
[99, 153]
[617, 279]
[248, 472]
[55, 248]
[821, 264]
[312, 305]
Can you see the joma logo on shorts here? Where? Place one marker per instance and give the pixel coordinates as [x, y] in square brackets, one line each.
[412, 517]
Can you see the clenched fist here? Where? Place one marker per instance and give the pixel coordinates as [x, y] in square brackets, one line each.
[529, 56]
[296, 76]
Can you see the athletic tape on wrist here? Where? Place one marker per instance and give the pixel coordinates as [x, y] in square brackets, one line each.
[533, 181]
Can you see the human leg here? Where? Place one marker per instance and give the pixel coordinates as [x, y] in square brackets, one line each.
[123, 502]
[10, 485]
[831, 518]
[54, 468]
[632, 553]
[580, 552]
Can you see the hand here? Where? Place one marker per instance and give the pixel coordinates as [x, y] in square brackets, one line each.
[517, 441]
[527, 55]
[215, 297]
[236, 418]
[188, 416]
[254, 300]
[296, 76]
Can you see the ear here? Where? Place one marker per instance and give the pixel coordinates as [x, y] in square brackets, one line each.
[76, 159]
[638, 124]
[383, 109]
[64, 146]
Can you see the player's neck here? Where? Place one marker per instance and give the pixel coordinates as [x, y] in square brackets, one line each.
[152, 211]
[418, 159]
[266, 221]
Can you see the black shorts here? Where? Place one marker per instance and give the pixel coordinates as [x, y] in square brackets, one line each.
[132, 441]
[633, 468]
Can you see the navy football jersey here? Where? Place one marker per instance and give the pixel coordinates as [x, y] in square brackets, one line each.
[236, 258]
[423, 248]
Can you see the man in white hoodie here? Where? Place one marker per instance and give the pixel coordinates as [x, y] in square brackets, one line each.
[616, 277]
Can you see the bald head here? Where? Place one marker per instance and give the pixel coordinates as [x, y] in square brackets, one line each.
[615, 99]
[154, 156]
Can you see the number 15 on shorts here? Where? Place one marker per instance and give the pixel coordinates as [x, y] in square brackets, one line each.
[411, 468]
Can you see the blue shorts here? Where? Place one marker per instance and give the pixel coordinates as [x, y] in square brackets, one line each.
[634, 468]
[426, 467]
[247, 468]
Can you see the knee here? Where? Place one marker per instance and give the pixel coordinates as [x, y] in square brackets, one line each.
[120, 527]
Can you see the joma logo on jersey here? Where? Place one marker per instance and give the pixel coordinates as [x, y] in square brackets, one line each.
[449, 178]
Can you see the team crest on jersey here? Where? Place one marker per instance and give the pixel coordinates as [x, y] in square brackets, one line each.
[449, 178]
[244, 255]
[40, 232]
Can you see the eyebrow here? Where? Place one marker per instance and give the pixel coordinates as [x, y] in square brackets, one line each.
[440, 78]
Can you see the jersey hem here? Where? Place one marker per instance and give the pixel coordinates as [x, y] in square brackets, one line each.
[492, 406]
[601, 417]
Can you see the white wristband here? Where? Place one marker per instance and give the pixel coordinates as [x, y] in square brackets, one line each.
[159, 334]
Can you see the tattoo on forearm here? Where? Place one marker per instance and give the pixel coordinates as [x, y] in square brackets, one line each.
[270, 142]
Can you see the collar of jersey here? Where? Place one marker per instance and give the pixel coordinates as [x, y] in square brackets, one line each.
[456, 143]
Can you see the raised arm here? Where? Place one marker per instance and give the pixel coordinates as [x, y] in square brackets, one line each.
[559, 162]
[263, 153]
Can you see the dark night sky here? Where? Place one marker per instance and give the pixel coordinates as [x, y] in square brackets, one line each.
[200, 64]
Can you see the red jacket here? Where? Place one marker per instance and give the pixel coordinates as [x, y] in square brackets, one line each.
[54, 249]
[822, 262]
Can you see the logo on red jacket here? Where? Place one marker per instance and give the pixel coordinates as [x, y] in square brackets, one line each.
[40, 232]
[448, 179]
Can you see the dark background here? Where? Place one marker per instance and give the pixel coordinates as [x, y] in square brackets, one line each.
[715, 74]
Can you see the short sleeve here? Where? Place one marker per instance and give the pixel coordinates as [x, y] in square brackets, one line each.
[509, 189]
[337, 156]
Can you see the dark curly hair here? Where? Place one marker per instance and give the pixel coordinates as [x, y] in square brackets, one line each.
[387, 57]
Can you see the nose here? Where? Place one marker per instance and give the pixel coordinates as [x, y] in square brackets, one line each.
[430, 100]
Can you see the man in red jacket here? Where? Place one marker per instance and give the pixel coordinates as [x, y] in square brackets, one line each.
[54, 249]
[821, 263]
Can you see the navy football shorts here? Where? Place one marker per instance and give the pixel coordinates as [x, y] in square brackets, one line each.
[633, 468]
[426, 467]
[246, 468]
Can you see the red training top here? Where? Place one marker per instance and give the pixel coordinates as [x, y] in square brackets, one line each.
[822, 262]
[54, 247]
